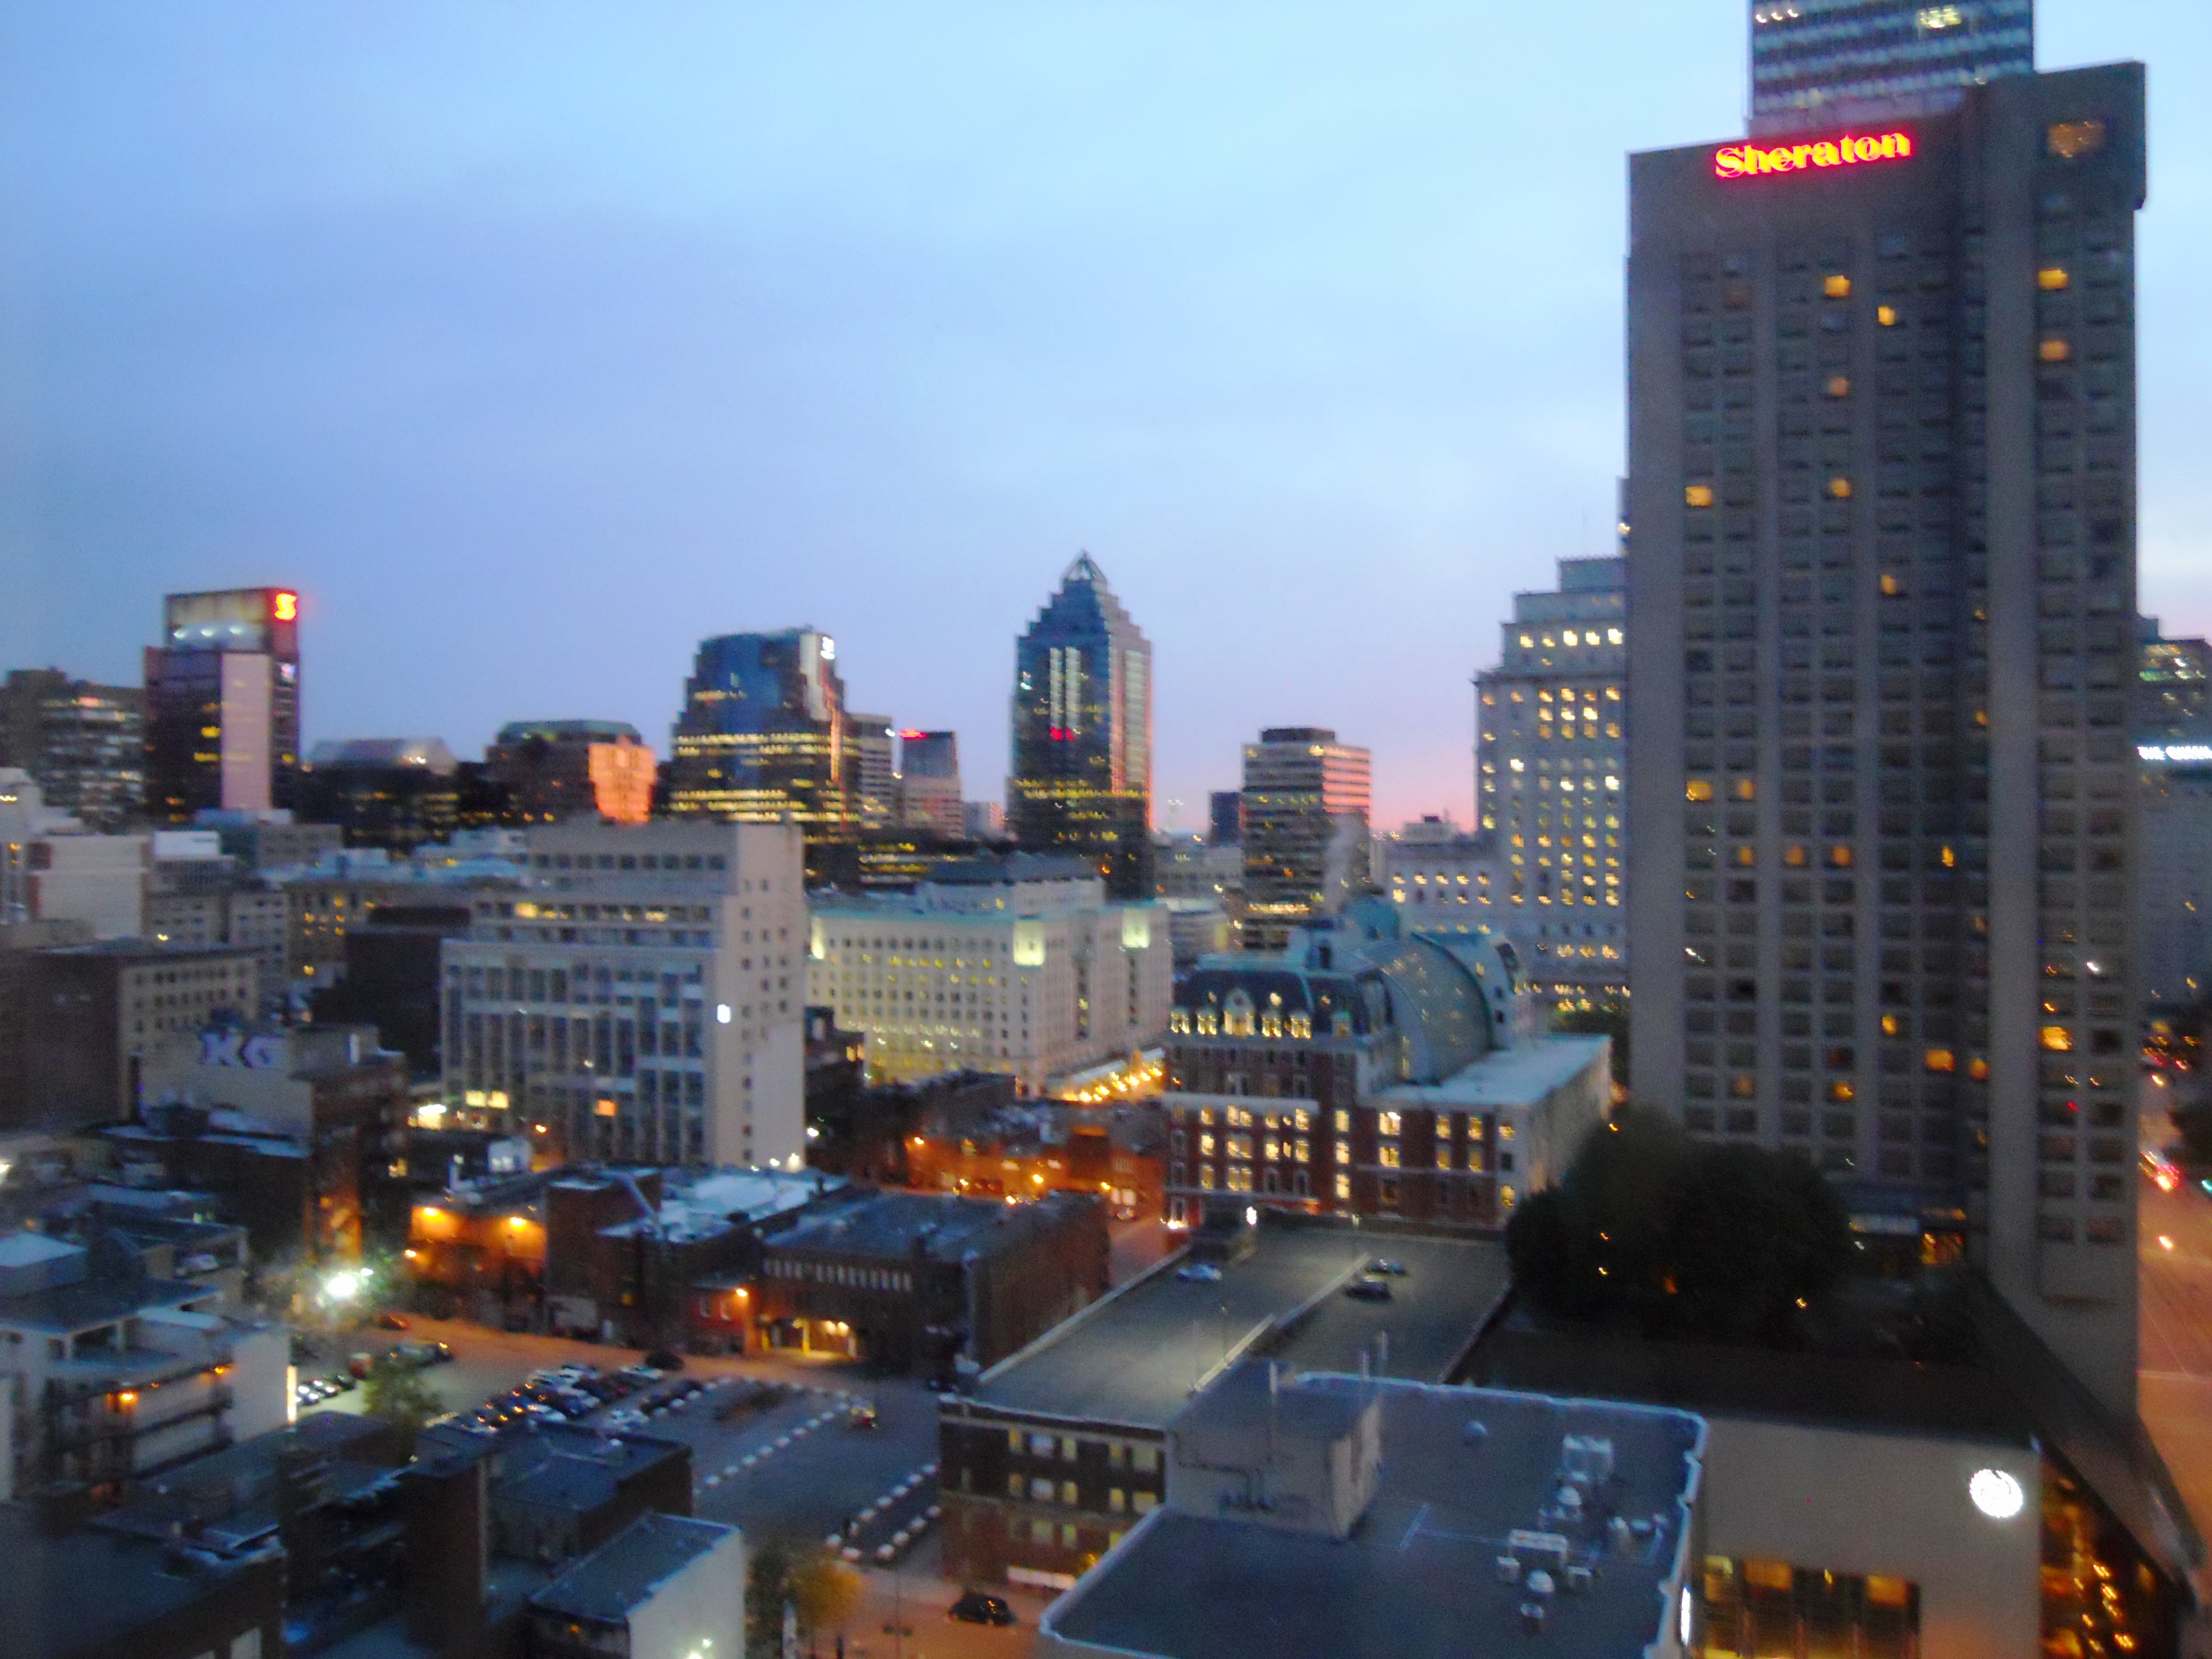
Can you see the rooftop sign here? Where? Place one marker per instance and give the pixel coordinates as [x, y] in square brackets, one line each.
[1844, 150]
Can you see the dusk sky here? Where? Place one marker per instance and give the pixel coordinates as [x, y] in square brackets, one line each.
[533, 343]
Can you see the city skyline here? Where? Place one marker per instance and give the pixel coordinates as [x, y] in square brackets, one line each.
[1238, 321]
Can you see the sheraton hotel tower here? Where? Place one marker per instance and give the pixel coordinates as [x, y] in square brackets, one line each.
[1881, 455]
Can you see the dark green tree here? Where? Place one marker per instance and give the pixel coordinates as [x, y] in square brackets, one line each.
[1680, 1239]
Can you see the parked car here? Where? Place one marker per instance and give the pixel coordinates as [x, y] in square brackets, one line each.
[662, 1360]
[1384, 1266]
[1368, 1289]
[862, 1417]
[358, 1364]
[392, 1322]
[975, 1607]
[1199, 1273]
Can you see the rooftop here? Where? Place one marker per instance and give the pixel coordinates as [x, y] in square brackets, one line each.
[1137, 1356]
[94, 1589]
[623, 1572]
[893, 1224]
[1463, 1471]
[1508, 1077]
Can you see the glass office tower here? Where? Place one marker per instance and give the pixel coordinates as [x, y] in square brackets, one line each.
[1881, 665]
[222, 703]
[1825, 63]
[764, 734]
[1305, 834]
[1082, 779]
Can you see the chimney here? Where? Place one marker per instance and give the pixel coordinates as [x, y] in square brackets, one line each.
[447, 1527]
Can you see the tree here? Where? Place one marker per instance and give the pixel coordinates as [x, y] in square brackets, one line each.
[1680, 1239]
[394, 1392]
[825, 1591]
[1611, 1021]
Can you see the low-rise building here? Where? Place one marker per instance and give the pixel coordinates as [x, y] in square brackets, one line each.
[394, 792]
[643, 1000]
[1049, 1458]
[95, 1013]
[1965, 1501]
[93, 1593]
[1118, 1152]
[1013, 963]
[332, 1098]
[52, 868]
[1367, 1071]
[1360, 1515]
[110, 1374]
[664, 1585]
[919, 1282]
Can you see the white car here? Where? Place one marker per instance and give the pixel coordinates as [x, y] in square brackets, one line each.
[1199, 1273]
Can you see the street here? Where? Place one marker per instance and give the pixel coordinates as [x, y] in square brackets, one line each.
[2174, 1380]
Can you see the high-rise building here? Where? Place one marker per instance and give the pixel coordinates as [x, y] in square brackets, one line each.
[765, 735]
[550, 768]
[1305, 835]
[1882, 472]
[84, 744]
[2173, 685]
[929, 782]
[222, 703]
[645, 1001]
[394, 792]
[1816, 65]
[875, 774]
[1225, 817]
[1550, 764]
[1083, 733]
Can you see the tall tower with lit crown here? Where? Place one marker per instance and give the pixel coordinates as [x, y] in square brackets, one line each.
[1082, 780]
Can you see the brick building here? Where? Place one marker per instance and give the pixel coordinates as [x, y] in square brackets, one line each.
[1367, 1071]
[919, 1282]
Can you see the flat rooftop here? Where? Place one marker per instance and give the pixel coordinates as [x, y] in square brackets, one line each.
[1136, 1357]
[1419, 1575]
[625, 1571]
[891, 1223]
[1508, 1076]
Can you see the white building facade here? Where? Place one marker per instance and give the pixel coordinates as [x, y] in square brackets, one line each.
[641, 998]
[1018, 965]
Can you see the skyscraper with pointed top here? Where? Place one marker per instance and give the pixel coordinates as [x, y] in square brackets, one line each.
[1082, 778]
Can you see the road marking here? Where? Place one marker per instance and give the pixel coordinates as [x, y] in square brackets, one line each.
[1412, 1531]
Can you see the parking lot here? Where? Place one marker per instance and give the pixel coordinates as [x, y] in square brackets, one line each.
[782, 1461]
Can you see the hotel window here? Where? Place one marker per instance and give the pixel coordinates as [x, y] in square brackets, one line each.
[1145, 1459]
[1067, 1493]
[1013, 1486]
[1041, 1491]
[1117, 1500]
[1386, 1123]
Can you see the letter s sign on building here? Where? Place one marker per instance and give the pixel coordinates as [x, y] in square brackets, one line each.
[1844, 150]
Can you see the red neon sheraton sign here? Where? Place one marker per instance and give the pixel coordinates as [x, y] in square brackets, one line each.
[1847, 149]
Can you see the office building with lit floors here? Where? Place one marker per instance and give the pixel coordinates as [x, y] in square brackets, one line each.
[1883, 667]
[551, 769]
[222, 703]
[929, 782]
[765, 734]
[1550, 764]
[642, 998]
[1305, 835]
[85, 745]
[1082, 780]
[1016, 963]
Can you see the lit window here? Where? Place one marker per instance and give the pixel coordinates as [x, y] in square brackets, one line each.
[2054, 351]
[2058, 1038]
[1794, 857]
[1699, 789]
[1842, 1089]
[2052, 278]
[1344, 1189]
[1836, 287]
[1841, 487]
[1745, 789]
[1613, 636]
[1839, 385]
[1698, 495]
[1885, 315]
[1891, 587]
[1979, 1069]
[1939, 1060]
[1840, 857]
